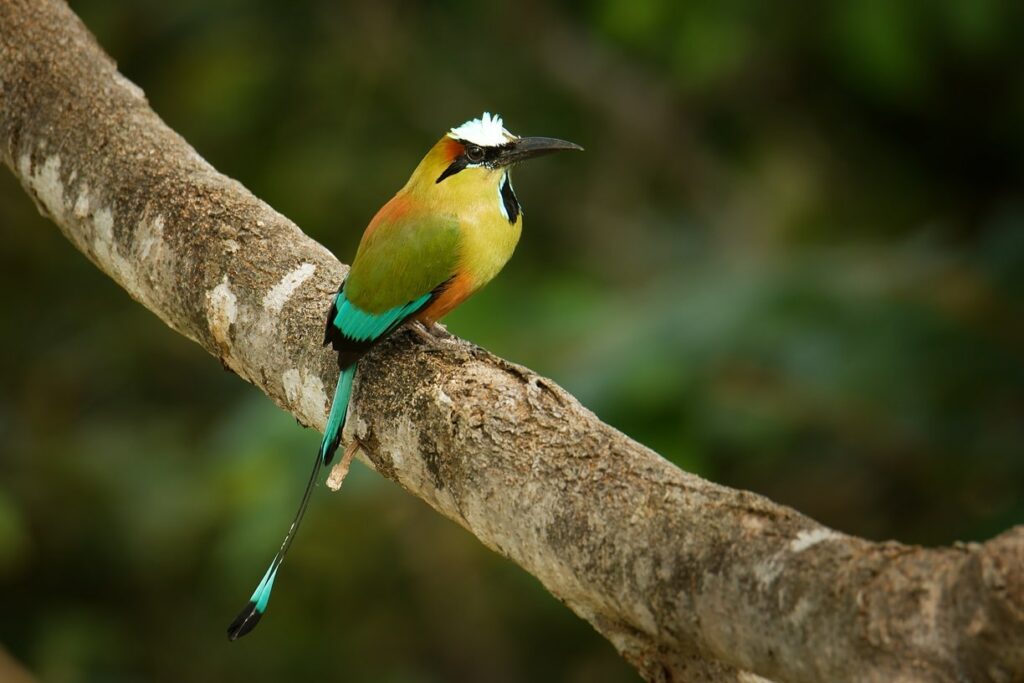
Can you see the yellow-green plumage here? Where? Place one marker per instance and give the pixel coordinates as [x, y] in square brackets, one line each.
[432, 232]
[447, 233]
[402, 260]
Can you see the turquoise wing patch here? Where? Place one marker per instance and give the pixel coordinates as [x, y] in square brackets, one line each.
[360, 326]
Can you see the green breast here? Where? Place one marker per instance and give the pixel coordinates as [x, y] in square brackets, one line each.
[487, 246]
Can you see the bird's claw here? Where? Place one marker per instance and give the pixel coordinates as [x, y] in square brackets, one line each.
[430, 334]
[439, 331]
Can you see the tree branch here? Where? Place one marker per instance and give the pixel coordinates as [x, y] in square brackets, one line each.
[689, 580]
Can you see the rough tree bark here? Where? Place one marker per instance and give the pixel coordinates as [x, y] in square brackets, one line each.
[689, 580]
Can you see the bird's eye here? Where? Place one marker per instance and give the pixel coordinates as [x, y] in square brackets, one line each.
[474, 153]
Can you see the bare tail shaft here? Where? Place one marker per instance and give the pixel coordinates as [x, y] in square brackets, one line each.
[257, 605]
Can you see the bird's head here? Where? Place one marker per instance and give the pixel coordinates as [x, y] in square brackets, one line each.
[473, 160]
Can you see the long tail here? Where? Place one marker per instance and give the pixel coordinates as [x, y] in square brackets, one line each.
[257, 605]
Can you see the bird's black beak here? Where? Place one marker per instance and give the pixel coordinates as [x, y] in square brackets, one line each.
[528, 148]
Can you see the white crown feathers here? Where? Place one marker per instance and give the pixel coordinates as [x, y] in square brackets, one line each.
[486, 131]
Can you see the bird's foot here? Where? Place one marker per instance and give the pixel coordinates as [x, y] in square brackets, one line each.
[430, 334]
[440, 331]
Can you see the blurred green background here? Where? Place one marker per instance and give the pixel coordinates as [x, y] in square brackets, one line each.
[791, 260]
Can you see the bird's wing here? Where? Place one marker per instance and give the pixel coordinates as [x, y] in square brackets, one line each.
[400, 267]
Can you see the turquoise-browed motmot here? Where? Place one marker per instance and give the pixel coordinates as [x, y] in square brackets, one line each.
[445, 235]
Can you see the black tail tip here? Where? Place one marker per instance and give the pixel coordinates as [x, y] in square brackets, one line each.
[244, 622]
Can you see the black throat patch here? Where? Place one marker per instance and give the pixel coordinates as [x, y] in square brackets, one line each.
[508, 198]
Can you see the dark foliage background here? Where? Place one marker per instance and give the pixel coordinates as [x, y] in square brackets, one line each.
[791, 260]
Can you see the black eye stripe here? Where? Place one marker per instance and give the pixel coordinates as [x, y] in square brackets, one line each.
[460, 163]
[491, 155]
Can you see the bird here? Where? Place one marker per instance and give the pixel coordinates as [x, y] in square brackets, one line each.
[450, 229]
